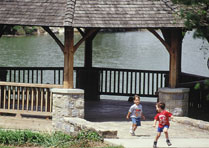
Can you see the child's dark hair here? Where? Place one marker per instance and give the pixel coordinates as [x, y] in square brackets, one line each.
[161, 105]
[136, 96]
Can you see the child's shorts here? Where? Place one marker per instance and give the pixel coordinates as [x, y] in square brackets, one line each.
[161, 129]
[136, 121]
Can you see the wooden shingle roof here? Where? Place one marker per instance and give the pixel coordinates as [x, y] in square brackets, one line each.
[90, 13]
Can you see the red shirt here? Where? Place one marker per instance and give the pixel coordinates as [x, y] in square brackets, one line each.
[163, 118]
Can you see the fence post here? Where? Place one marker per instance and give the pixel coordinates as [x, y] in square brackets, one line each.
[89, 80]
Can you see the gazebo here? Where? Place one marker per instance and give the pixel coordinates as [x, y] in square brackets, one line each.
[88, 17]
[93, 15]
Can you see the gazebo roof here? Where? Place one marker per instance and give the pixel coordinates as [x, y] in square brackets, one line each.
[90, 13]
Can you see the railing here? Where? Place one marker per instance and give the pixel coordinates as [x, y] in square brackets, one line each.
[112, 81]
[39, 75]
[198, 102]
[25, 98]
[129, 82]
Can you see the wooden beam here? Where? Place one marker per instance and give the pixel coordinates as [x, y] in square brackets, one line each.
[173, 43]
[161, 39]
[3, 83]
[3, 28]
[175, 50]
[167, 35]
[89, 33]
[88, 50]
[80, 31]
[68, 57]
[59, 43]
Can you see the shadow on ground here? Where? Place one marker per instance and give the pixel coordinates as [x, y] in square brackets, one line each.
[114, 110]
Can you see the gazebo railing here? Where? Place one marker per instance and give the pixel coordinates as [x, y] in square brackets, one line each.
[129, 82]
[26, 98]
[112, 81]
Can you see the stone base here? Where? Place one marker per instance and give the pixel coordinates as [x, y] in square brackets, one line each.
[66, 103]
[176, 100]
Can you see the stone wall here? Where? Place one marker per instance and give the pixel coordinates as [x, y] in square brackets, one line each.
[68, 114]
[176, 100]
[66, 103]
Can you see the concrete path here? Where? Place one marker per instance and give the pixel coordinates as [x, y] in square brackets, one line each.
[148, 143]
[181, 135]
[111, 114]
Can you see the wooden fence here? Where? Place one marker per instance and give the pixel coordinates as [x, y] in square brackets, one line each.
[25, 98]
[111, 81]
[129, 82]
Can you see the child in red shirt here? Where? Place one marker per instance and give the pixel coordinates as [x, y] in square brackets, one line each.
[163, 118]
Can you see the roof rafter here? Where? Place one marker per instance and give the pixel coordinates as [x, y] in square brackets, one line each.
[87, 34]
[59, 43]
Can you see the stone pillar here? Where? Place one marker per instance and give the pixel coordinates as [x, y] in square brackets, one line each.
[66, 103]
[175, 99]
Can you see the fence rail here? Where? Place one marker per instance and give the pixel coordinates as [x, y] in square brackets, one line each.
[129, 82]
[111, 81]
[25, 98]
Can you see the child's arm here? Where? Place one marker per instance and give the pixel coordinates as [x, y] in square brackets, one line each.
[155, 122]
[143, 117]
[128, 115]
[171, 117]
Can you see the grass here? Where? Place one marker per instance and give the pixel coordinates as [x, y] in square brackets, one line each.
[23, 138]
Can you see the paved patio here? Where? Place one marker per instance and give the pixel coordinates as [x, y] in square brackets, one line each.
[112, 114]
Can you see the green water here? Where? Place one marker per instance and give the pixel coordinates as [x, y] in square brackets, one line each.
[131, 50]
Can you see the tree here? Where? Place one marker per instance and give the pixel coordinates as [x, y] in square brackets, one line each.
[196, 15]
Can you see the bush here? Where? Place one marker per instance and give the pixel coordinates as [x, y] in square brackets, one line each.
[57, 139]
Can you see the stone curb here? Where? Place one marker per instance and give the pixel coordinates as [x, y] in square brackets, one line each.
[193, 122]
[83, 124]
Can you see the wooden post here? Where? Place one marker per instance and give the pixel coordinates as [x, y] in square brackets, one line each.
[175, 59]
[88, 53]
[68, 57]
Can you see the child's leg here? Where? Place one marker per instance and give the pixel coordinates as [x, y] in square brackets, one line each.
[159, 130]
[166, 136]
[157, 136]
[134, 127]
[165, 130]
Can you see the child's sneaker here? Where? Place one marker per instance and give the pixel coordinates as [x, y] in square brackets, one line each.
[168, 142]
[155, 145]
[132, 132]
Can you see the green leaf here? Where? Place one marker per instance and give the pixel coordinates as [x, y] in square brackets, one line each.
[197, 86]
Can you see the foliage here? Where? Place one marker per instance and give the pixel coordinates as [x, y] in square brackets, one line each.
[21, 30]
[57, 139]
[205, 86]
[196, 15]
